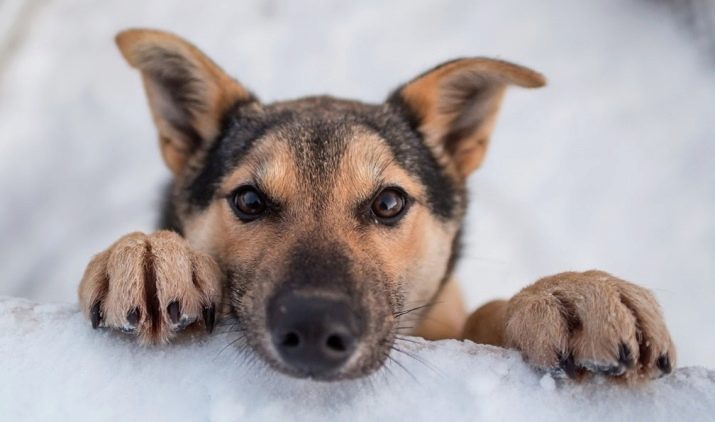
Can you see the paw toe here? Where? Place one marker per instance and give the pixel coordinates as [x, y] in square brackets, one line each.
[568, 367]
[174, 311]
[625, 356]
[179, 320]
[210, 317]
[132, 321]
[95, 314]
[185, 321]
[663, 363]
[133, 316]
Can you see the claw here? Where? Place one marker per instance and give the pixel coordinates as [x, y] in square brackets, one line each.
[625, 356]
[568, 365]
[606, 369]
[95, 314]
[210, 317]
[133, 318]
[613, 371]
[184, 322]
[663, 363]
[174, 310]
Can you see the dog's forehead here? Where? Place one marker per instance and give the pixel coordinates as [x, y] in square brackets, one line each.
[315, 164]
[315, 140]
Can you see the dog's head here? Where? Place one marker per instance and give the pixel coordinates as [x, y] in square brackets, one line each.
[331, 218]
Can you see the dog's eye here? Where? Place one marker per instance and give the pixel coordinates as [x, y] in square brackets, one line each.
[248, 203]
[389, 205]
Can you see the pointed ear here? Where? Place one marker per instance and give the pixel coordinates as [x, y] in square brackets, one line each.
[454, 106]
[188, 94]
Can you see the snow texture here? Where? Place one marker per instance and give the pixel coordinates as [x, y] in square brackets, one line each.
[612, 166]
[55, 367]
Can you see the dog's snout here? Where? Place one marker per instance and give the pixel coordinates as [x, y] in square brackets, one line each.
[315, 336]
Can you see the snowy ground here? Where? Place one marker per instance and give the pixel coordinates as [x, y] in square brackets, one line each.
[611, 166]
[54, 367]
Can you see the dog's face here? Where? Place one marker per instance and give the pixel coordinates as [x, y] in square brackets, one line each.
[331, 218]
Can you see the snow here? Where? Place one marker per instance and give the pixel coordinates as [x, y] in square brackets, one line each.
[55, 367]
[611, 166]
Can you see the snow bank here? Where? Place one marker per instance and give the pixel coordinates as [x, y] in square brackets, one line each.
[55, 367]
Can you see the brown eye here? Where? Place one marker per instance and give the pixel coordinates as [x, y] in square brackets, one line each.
[389, 205]
[248, 203]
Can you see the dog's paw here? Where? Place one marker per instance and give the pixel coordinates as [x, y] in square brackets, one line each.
[581, 324]
[153, 286]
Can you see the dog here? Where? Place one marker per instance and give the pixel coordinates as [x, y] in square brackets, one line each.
[325, 229]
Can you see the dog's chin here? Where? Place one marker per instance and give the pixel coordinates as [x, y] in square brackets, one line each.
[334, 376]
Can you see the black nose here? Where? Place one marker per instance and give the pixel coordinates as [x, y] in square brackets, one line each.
[313, 335]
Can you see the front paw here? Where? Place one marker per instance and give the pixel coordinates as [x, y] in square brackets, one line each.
[152, 286]
[580, 324]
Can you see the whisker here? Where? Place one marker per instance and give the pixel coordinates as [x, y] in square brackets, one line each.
[409, 340]
[396, 362]
[418, 359]
[229, 344]
[428, 319]
[386, 368]
[416, 308]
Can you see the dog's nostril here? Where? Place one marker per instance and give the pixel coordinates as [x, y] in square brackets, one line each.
[290, 339]
[336, 343]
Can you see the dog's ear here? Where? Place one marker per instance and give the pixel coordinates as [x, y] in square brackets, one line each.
[188, 94]
[454, 106]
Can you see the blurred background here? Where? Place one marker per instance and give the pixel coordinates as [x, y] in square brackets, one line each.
[612, 166]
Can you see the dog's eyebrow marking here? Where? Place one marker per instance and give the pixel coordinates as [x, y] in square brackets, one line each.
[241, 131]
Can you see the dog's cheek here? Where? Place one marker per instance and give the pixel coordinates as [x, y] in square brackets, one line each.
[423, 256]
[247, 301]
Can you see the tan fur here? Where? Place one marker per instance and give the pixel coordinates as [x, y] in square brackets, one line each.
[486, 324]
[116, 279]
[445, 319]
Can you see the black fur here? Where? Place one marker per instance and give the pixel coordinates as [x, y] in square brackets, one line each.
[168, 219]
[321, 268]
[454, 254]
[174, 77]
